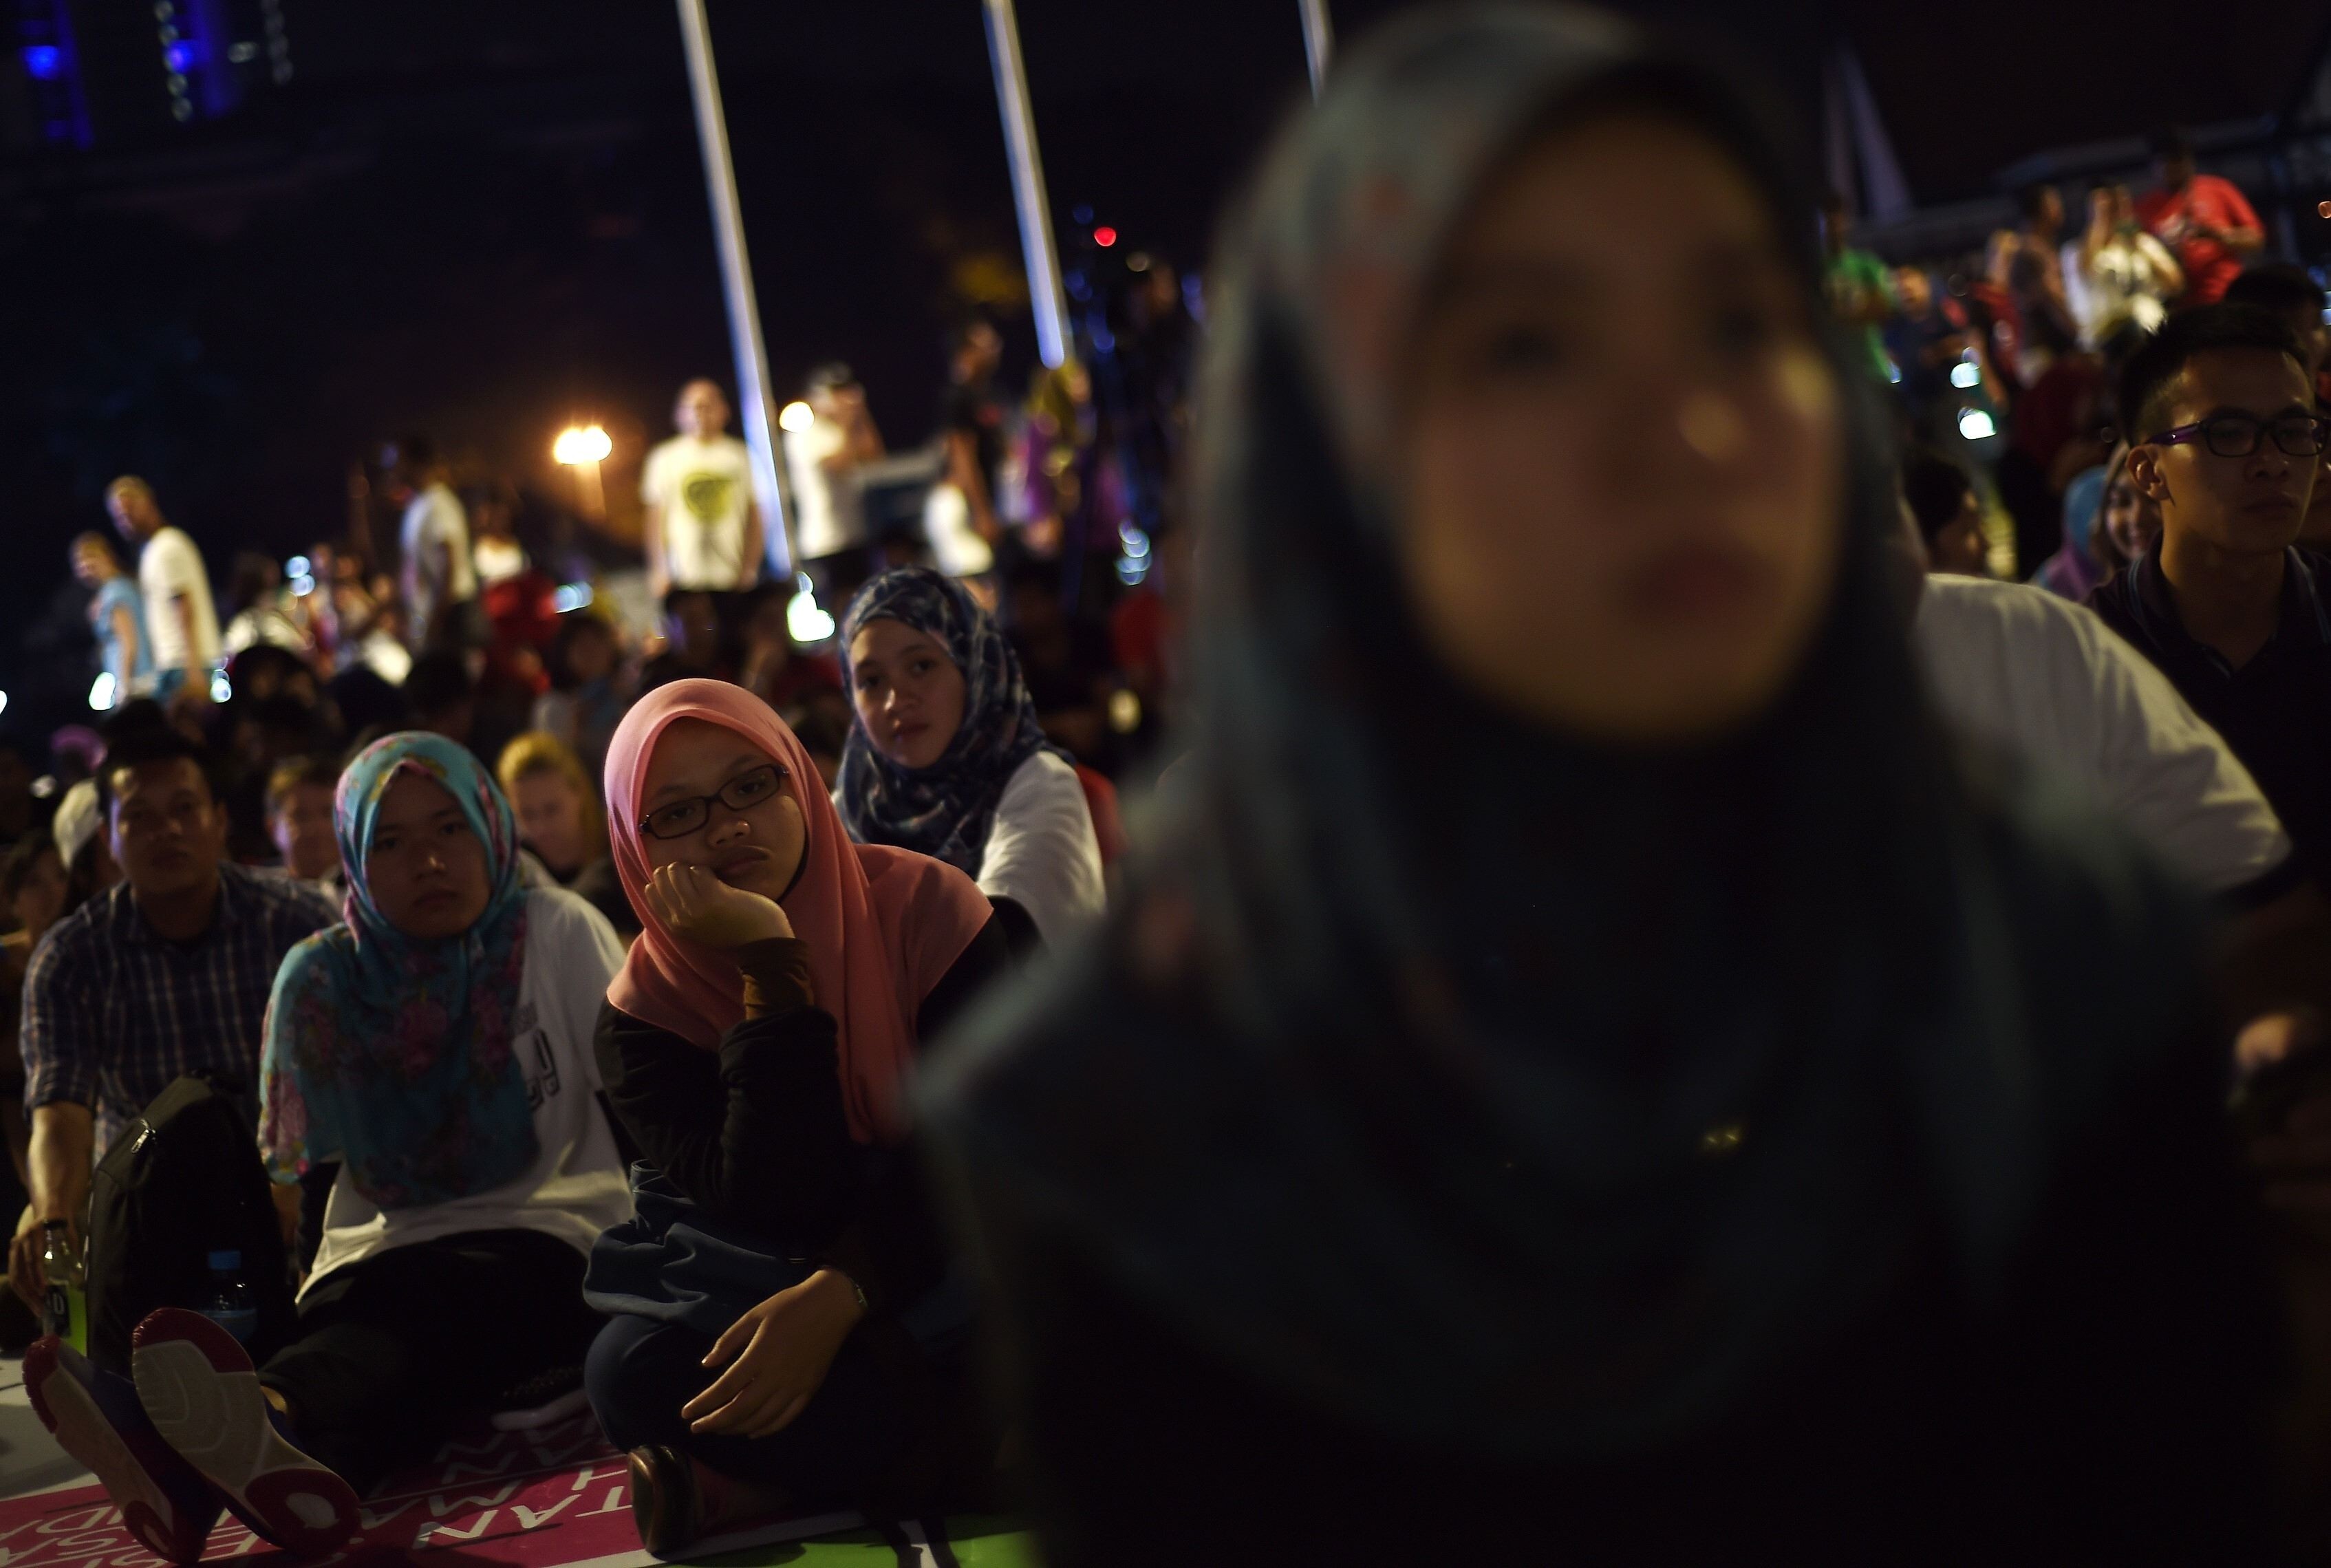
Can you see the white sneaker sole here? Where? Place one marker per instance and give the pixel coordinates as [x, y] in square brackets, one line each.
[217, 1418]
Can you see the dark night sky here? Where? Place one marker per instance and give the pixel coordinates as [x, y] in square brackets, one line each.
[486, 219]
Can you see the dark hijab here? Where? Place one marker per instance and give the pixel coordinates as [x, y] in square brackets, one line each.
[945, 810]
[1531, 1098]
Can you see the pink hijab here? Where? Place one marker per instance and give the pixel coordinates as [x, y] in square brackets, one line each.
[883, 926]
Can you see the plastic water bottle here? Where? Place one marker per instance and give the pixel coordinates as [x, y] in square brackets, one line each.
[64, 1304]
[229, 1305]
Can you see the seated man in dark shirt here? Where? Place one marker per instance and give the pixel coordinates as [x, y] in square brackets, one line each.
[2225, 438]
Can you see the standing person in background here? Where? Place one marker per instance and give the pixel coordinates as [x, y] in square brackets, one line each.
[2116, 273]
[1405, 1155]
[972, 421]
[1860, 288]
[2205, 221]
[181, 623]
[703, 527]
[117, 615]
[440, 580]
[2034, 275]
[1929, 339]
[829, 505]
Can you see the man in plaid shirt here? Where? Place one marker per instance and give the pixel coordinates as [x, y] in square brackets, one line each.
[166, 972]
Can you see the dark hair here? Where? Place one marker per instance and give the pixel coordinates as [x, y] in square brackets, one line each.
[1028, 570]
[297, 771]
[244, 668]
[2145, 379]
[280, 712]
[151, 746]
[2031, 198]
[1937, 489]
[17, 870]
[828, 377]
[572, 628]
[2170, 141]
[818, 728]
[415, 452]
[437, 681]
[135, 717]
[2278, 286]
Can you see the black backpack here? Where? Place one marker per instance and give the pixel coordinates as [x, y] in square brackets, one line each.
[179, 1183]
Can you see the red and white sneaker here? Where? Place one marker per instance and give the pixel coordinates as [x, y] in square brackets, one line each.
[95, 1417]
[203, 1395]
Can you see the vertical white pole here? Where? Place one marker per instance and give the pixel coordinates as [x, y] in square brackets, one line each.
[1051, 306]
[736, 283]
[1318, 43]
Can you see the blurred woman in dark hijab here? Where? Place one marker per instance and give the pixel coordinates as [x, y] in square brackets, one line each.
[1635, 1138]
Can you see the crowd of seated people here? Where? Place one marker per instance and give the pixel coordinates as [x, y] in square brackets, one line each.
[1837, 1044]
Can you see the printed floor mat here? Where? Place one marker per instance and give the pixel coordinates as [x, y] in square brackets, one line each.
[557, 1497]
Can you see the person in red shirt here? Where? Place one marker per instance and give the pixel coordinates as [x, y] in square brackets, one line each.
[2205, 220]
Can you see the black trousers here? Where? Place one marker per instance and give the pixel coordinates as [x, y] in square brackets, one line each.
[394, 1351]
[854, 1430]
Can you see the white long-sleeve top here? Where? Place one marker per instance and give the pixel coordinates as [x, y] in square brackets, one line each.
[1041, 852]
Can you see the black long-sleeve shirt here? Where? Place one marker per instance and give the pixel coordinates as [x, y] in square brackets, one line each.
[754, 1133]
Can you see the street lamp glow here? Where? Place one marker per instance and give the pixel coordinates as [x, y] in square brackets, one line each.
[796, 417]
[578, 444]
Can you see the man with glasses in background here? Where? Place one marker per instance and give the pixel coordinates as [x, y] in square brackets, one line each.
[2226, 439]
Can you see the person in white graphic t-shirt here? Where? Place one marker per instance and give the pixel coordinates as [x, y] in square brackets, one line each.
[439, 578]
[703, 524]
[181, 620]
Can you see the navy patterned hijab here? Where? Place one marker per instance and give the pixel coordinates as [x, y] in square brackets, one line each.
[945, 810]
[1524, 1097]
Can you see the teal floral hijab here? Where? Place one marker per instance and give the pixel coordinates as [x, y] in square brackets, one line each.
[394, 1055]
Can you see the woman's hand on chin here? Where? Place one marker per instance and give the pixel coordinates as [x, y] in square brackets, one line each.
[691, 902]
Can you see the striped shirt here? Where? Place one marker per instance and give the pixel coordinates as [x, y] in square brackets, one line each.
[114, 1011]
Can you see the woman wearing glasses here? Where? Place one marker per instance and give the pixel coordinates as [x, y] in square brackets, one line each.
[785, 1329]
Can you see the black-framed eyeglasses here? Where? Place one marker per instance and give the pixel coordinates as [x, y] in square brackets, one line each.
[2237, 434]
[749, 789]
